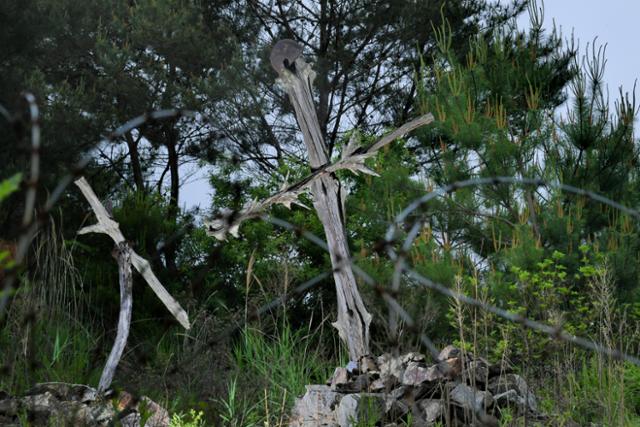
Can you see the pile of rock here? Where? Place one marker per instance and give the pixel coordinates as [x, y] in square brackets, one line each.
[459, 390]
[65, 404]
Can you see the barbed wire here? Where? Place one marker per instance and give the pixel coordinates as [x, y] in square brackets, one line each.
[449, 188]
[31, 223]
[399, 260]
[555, 332]
[388, 292]
[30, 198]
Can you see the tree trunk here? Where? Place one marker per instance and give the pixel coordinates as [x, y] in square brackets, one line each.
[134, 156]
[353, 318]
[170, 249]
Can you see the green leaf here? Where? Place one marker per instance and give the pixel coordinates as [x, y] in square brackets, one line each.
[9, 185]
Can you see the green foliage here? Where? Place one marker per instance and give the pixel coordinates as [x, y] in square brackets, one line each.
[631, 383]
[62, 355]
[370, 413]
[271, 372]
[537, 252]
[604, 391]
[548, 293]
[9, 185]
[236, 411]
[52, 344]
[191, 419]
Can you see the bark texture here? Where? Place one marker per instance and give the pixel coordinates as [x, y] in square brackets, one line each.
[353, 318]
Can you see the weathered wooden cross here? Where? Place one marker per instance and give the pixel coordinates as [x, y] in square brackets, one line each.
[296, 77]
[126, 257]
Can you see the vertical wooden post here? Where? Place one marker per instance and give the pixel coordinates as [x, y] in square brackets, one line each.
[122, 253]
[296, 77]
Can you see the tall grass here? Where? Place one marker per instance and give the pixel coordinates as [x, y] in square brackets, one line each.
[45, 338]
[48, 338]
[269, 372]
[598, 388]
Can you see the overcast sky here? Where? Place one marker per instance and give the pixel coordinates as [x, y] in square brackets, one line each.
[613, 22]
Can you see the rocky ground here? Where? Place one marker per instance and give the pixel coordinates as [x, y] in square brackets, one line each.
[62, 404]
[459, 390]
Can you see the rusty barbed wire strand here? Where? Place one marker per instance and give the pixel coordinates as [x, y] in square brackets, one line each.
[31, 227]
[555, 332]
[31, 223]
[308, 285]
[378, 288]
[398, 258]
[401, 217]
[30, 196]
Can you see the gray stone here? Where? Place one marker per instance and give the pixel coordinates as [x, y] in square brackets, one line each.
[479, 370]
[361, 383]
[433, 410]
[511, 398]
[450, 368]
[368, 364]
[102, 414]
[131, 420]
[501, 385]
[415, 374]
[435, 374]
[395, 409]
[401, 392]
[508, 398]
[339, 378]
[65, 391]
[144, 408]
[8, 422]
[9, 407]
[39, 403]
[78, 405]
[471, 399]
[361, 406]
[316, 407]
[413, 357]
[60, 391]
[158, 416]
[390, 367]
[377, 386]
[154, 415]
[448, 352]
[83, 393]
[385, 357]
[387, 385]
[76, 414]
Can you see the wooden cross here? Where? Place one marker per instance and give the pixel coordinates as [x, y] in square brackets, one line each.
[126, 258]
[296, 77]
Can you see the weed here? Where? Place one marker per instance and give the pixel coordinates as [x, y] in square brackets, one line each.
[192, 418]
